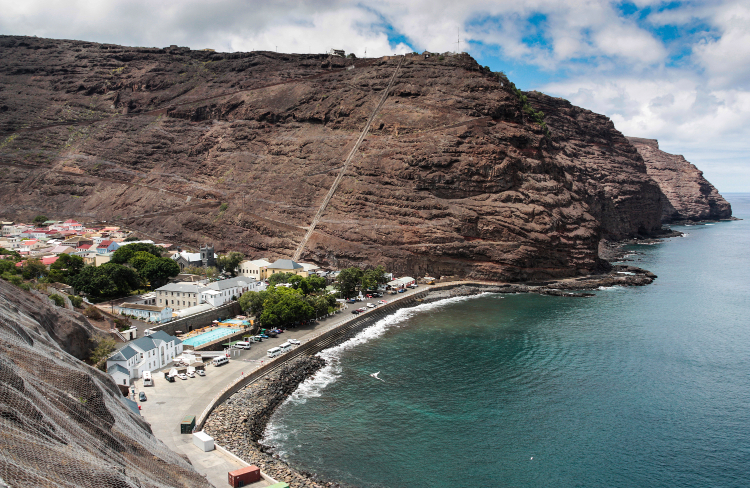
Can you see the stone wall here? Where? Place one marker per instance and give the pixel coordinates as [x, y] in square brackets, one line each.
[198, 320]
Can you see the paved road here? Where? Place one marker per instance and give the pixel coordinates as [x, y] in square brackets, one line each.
[168, 403]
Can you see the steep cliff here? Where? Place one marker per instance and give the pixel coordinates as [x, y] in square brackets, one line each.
[64, 423]
[453, 177]
[689, 195]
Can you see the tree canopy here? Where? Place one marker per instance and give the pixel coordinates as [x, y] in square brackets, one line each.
[280, 305]
[40, 219]
[66, 266]
[126, 252]
[230, 261]
[158, 271]
[106, 281]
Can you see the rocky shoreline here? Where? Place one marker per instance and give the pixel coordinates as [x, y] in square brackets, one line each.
[239, 423]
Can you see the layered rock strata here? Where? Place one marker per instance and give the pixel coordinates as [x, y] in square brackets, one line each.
[453, 178]
[689, 195]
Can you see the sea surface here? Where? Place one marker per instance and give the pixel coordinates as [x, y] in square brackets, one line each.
[637, 387]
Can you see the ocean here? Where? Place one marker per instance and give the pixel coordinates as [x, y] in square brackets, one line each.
[644, 386]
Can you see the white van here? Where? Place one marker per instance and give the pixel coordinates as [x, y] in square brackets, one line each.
[147, 381]
[242, 345]
[285, 347]
[220, 360]
[274, 351]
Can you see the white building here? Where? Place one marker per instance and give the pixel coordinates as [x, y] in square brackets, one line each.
[220, 292]
[147, 313]
[179, 296]
[402, 282]
[145, 354]
[252, 269]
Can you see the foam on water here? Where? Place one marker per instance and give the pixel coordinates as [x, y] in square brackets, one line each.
[610, 288]
[314, 386]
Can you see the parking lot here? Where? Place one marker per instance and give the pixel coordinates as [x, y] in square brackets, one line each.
[167, 403]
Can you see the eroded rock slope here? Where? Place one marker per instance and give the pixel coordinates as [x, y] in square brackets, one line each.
[452, 179]
[63, 422]
[689, 195]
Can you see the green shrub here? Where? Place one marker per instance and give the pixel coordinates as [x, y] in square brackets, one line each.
[223, 207]
[59, 301]
[76, 300]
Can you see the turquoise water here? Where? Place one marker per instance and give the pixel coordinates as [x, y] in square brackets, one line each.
[209, 336]
[637, 387]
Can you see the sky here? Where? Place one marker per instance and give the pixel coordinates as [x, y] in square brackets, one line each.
[676, 71]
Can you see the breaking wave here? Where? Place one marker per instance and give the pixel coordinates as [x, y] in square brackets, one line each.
[313, 387]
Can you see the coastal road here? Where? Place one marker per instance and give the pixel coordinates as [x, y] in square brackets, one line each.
[168, 403]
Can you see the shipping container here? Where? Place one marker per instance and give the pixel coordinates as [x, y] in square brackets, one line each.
[187, 425]
[244, 476]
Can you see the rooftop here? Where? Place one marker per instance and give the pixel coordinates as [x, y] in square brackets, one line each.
[284, 264]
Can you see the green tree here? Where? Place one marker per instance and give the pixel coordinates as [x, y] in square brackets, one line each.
[284, 306]
[76, 300]
[159, 270]
[372, 277]
[8, 266]
[9, 252]
[124, 278]
[316, 283]
[252, 301]
[33, 268]
[40, 219]
[66, 266]
[140, 259]
[230, 261]
[108, 280]
[278, 278]
[104, 347]
[348, 280]
[124, 253]
[131, 239]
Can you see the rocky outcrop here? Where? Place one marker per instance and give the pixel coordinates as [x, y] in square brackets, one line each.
[69, 329]
[689, 195]
[64, 423]
[454, 178]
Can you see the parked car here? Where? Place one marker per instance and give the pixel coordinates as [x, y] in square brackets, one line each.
[351, 300]
[393, 292]
[182, 376]
[401, 290]
[190, 374]
[371, 305]
[294, 341]
[142, 396]
[201, 372]
[368, 296]
[355, 312]
[382, 302]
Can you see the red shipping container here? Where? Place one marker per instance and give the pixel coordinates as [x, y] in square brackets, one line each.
[244, 476]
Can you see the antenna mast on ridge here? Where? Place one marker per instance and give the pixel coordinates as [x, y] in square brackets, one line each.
[458, 41]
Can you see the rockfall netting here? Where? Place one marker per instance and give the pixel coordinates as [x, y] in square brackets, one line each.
[65, 424]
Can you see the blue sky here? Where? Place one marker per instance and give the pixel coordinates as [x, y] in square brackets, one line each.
[677, 71]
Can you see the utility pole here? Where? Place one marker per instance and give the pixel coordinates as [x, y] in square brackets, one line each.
[458, 41]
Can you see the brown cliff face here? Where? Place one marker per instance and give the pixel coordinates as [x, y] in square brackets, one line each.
[452, 178]
[689, 195]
